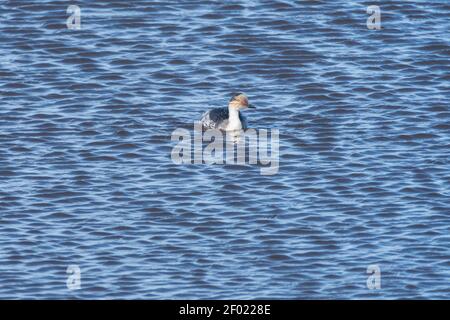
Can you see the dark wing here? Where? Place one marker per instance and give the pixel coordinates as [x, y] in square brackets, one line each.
[218, 115]
[213, 118]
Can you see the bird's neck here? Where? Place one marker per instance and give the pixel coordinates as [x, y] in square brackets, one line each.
[234, 122]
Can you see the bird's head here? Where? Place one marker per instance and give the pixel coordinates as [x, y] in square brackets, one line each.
[239, 101]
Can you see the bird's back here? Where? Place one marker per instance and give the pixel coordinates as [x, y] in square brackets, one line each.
[217, 118]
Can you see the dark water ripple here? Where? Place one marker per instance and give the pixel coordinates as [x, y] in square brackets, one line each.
[86, 175]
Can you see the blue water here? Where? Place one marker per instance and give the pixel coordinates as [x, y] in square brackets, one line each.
[86, 177]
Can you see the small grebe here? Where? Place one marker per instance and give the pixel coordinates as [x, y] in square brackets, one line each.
[230, 118]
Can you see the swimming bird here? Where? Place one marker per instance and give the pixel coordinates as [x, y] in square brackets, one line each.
[228, 118]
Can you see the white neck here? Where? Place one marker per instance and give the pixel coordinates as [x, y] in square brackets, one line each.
[234, 123]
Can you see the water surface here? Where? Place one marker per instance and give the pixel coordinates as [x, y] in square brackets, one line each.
[86, 176]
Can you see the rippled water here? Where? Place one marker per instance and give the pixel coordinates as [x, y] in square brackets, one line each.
[86, 118]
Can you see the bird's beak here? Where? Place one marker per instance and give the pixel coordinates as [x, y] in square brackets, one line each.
[251, 106]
